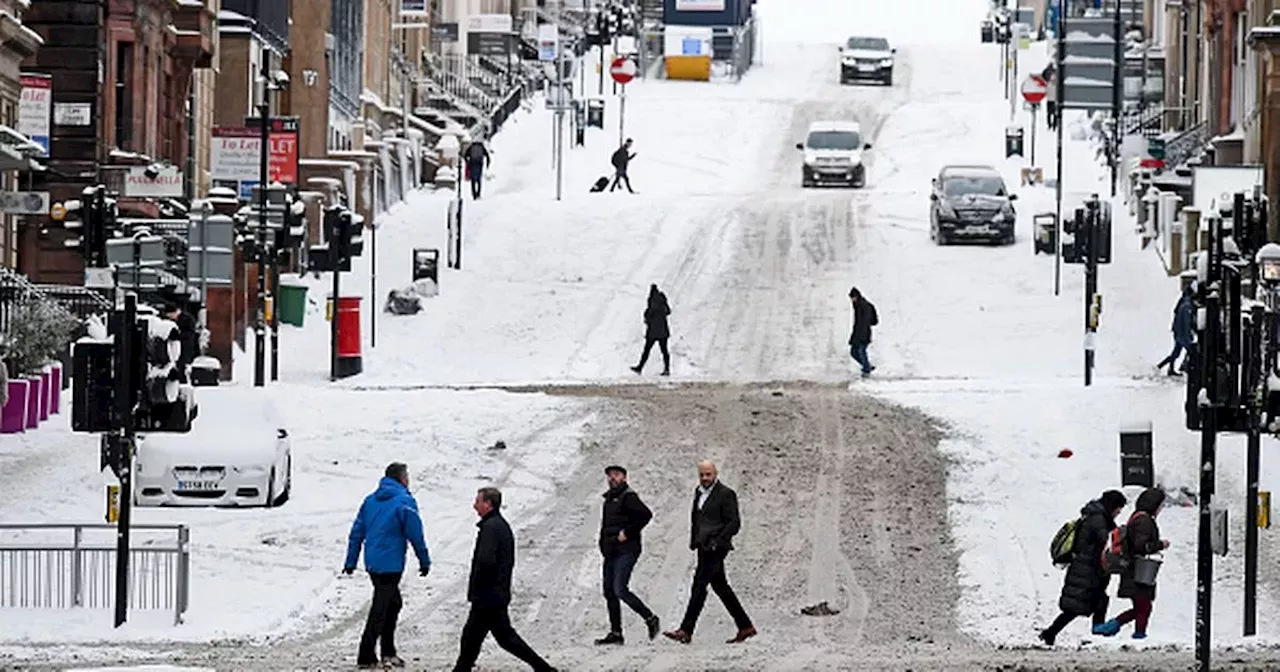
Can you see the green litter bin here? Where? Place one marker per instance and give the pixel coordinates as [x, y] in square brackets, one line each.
[293, 303]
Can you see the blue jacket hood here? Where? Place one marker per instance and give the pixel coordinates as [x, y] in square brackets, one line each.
[389, 487]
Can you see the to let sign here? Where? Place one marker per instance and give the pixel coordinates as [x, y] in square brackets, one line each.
[35, 108]
[236, 155]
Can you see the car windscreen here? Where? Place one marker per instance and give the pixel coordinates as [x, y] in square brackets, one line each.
[868, 43]
[841, 140]
[959, 185]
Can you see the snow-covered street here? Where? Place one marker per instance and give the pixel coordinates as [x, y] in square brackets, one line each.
[919, 502]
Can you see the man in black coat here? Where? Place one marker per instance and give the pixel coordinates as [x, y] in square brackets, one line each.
[489, 588]
[714, 521]
[189, 334]
[621, 159]
[1084, 590]
[477, 158]
[620, 525]
[864, 318]
[656, 330]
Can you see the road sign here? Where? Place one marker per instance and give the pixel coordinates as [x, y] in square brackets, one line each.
[1034, 89]
[623, 70]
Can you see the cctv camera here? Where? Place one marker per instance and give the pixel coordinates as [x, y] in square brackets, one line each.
[280, 78]
[152, 171]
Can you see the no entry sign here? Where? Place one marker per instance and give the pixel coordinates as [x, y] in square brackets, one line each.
[1034, 89]
[623, 70]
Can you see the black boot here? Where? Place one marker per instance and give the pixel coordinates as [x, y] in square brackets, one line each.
[636, 368]
[611, 638]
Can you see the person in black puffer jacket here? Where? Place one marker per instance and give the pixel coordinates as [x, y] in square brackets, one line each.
[1084, 590]
[656, 330]
[1143, 539]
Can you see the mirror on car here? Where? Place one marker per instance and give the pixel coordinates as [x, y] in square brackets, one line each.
[867, 146]
[893, 50]
[933, 197]
[1013, 197]
[800, 145]
[282, 433]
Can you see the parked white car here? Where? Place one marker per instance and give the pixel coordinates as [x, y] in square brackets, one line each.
[237, 453]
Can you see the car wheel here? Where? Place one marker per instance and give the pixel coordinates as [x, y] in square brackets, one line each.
[888, 81]
[942, 239]
[268, 500]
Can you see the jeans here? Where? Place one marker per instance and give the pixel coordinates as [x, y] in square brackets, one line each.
[710, 572]
[381, 624]
[859, 353]
[484, 620]
[617, 576]
[1172, 359]
[477, 178]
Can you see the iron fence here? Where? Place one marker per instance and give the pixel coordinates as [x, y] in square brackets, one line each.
[40, 568]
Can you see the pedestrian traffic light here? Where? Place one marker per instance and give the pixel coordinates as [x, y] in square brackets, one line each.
[1075, 251]
[166, 404]
[92, 386]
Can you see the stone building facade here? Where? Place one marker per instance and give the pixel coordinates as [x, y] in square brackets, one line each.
[17, 43]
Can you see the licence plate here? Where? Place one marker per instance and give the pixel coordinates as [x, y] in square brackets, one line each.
[979, 229]
[866, 68]
[197, 485]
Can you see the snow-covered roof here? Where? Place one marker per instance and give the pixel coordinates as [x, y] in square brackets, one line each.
[841, 126]
[969, 171]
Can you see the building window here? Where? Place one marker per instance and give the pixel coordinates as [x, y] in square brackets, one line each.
[124, 95]
[347, 58]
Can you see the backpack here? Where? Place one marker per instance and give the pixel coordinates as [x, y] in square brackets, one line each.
[1061, 549]
[1116, 557]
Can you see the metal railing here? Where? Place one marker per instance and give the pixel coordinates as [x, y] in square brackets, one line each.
[732, 47]
[17, 291]
[41, 569]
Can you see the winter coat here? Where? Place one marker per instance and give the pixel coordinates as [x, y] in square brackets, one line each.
[713, 527]
[864, 317]
[655, 318]
[1143, 538]
[492, 563]
[621, 159]
[623, 512]
[1184, 322]
[477, 155]
[1085, 585]
[388, 521]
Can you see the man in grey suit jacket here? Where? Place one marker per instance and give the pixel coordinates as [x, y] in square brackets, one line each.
[714, 521]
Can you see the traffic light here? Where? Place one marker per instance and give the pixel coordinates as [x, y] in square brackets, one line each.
[343, 241]
[86, 215]
[166, 403]
[92, 386]
[1076, 251]
[291, 234]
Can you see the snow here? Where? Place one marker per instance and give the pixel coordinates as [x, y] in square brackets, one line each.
[757, 270]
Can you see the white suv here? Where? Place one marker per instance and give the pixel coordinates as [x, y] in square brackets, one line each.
[833, 154]
[867, 58]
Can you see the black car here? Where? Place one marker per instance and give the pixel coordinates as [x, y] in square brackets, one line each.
[971, 203]
[867, 58]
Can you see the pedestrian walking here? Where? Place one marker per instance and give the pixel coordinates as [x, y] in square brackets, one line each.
[1084, 590]
[1051, 96]
[864, 318]
[188, 334]
[1184, 335]
[478, 159]
[656, 330]
[1143, 540]
[621, 160]
[387, 522]
[489, 588]
[624, 516]
[714, 521]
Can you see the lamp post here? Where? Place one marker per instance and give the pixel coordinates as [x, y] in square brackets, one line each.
[1267, 261]
[267, 82]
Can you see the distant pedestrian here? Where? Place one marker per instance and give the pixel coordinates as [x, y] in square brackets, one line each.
[1143, 539]
[1184, 334]
[1051, 95]
[656, 330]
[624, 516]
[189, 335]
[387, 522]
[478, 159]
[714, 522]
[1084, 590]
[489, 588]
[864, 318]
[621, 161]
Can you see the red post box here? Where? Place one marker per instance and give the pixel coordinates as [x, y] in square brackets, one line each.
[350, 360]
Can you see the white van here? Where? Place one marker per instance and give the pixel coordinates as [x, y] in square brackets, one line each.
[833, 154]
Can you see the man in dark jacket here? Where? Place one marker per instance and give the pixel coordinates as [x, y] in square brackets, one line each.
[621, 160]
[477, 158]
[623, 518]
[189, 333]
[1184, 334]
[1143, 539]
[1084, 590]
[489, 588]
[656, 330]
[864, 318]
[387, 522]
[714, 521]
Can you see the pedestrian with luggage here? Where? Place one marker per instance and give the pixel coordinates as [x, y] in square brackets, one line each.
[656, 330]
[624, 516]
[621, 161]
[387, 522]
[1084, 589]
[1138, 580]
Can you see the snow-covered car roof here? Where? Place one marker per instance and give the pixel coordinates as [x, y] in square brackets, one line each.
[970, 171]
[839, 126]
[227, 414]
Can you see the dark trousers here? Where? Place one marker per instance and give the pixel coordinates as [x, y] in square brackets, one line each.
[1172, 359]
[381, 624]
[1051, 113]
[621, 177]
[484, 620]
[617, 577]
[710, 571]
[1098, 616]
[1141, 612]
[648, 346]
[477, 178]
[859, 353]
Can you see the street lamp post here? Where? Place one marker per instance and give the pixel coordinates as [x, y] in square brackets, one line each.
[259, 324]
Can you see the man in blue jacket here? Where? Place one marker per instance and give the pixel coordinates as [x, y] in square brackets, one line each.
[388, 521]
[1184, 331]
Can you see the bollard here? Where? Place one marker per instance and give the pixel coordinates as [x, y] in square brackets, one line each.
[1193, 230]
[1175, 251]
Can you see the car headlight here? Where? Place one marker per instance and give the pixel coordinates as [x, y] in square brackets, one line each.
[886, 63]
[999, 218]
[945, 210]
[249, 470]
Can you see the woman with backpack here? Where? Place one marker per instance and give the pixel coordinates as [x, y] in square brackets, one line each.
[1142, 536]
[656, 330]
[1084, 590]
